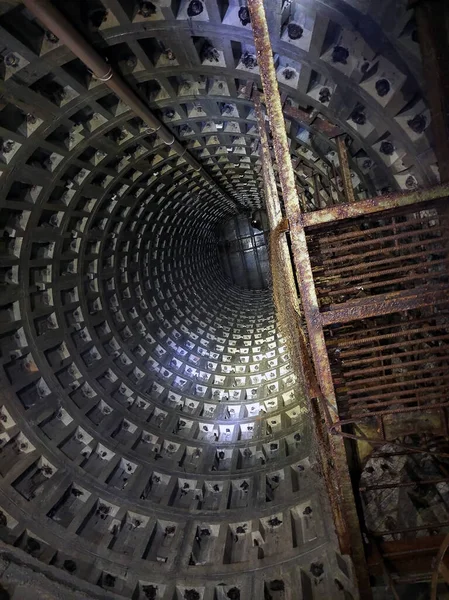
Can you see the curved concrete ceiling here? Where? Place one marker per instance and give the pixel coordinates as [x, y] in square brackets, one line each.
[155, 443]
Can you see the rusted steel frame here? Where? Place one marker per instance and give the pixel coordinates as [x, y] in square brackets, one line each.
[409, 379]
[290, 197]
[330, 272]
[400, 344]
[440, 568]
[277, 220]
[383, 442]
[403, 484]
[358, 417]
[384, 304]
[339, 279]
[334, 184]
[316, 191]
[272, 198]
[373, 370]
[273, 203]
[435, 356]
[345, 343]
[385, 569]
[345, 291]
[389, 404]
[48, 14]
[327, 273]
[348, 529]
[410, 529]
[381, 250]
[345, 170]
[331, 263]
[411, 221]
[389, 386]
[373, 205]
[308, 118]
[343, 245]
[411, 547]
[405, 404]
[377, 373]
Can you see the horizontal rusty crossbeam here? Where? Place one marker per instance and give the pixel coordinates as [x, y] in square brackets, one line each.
[384, 304]
[428, 527]
[403, 484]
[372, 205]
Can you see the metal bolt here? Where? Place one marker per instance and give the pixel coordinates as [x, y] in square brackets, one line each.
[244, 16]
[324, 95]
[195, 8]
[51, 37]
[294, 31]
[382, 87]
[387, 148]
[340, 55]
[358, 116]
[418, 123]
[146, 9]
[11, 60]
[7, 147]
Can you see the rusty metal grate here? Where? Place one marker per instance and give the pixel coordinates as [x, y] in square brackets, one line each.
[381, 282]
[379, 255]
[393, 364]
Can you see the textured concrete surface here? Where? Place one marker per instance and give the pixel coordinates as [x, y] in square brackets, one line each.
[153, 434]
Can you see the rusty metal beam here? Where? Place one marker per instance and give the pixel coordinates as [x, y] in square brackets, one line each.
[373, 205]
[384, 304]
[403, 484]
[428, 527]
[349, 532]
[345, 170]
[271, 193]
[406, 556]
[440, 568]
[290, 197]
[287, 292]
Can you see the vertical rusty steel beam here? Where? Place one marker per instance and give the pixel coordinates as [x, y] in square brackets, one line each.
[271, 193]
[275, 218]
[345, 170]
[291, 201]
[317, 196]
[349, 536]
[299, 344]
[440, 568]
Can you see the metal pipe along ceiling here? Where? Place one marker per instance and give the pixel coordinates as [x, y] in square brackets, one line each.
[56, 22]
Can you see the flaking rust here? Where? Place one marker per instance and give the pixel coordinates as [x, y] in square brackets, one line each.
[335, 465]
[373, 205]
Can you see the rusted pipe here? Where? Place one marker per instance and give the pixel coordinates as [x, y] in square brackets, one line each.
[55, 21]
